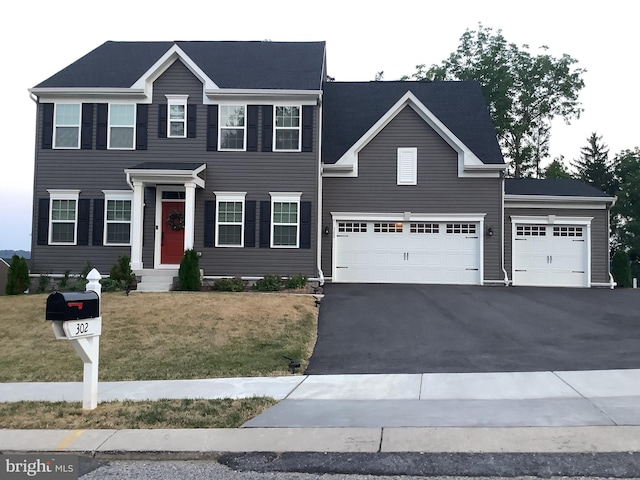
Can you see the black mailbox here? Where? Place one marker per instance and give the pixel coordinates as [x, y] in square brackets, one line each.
[63, 306]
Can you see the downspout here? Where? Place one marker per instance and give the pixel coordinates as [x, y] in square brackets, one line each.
[319, 229]
[506, 277]
[612, 282]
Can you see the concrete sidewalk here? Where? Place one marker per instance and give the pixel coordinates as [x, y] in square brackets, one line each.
[579, 411]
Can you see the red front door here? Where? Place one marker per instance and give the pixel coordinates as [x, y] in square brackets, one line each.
[172, 240]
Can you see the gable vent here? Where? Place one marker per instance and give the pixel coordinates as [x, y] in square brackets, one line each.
[408, 166]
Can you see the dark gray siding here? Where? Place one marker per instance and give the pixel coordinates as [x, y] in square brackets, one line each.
[439, 190]
[599, 236]
[256, 173]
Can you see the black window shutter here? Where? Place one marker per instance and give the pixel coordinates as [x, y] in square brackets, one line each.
[86, 136]
[98, 221]
[101, 127]
[162, 120]
[43, 221]
[250, 223]
[305, 224]
[192, 113]
[265, 224]
[267, 128]
[83, 221]
[212, 128]
[209, 222]
[47, 129]
[307, 128]
[252, 128]
[142, 119]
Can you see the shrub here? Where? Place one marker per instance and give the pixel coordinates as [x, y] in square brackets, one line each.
[121, 271]
[43, 283]
[270, 283]
[297, 281]
[111, 285]
[621, 269]
[17, 276]
[189, 273]
[229, 285]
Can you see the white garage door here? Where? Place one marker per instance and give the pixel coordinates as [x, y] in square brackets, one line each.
[550, 255]
[407, 252]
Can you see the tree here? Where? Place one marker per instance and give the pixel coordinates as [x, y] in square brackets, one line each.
[524, 92]
[626, 211]
[17, 276]
[593, 166]
[556, 169]
[379, 77]
[189, 272]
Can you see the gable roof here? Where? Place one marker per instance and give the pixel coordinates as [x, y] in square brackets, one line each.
[233, 65]
[560, 187]
[350, 109]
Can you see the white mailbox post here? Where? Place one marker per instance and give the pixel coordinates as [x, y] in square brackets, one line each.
[84, 335]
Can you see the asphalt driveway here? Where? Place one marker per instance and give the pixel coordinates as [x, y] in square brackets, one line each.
[438, 328]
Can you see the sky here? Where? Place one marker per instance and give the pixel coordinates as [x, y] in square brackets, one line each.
[363, 38]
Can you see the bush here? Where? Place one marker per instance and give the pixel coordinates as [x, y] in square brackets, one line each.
[43, 283]
[189, 273]
[621, 269]
[229, 285]
[111, 285]
[17, 276]
[270, 283]
[297, 282]
[121, 271]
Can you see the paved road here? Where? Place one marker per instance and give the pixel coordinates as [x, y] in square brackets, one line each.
[438, 328]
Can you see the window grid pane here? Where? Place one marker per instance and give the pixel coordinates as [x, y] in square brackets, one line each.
[119, 210]
[62, 232]
[231, 139]
[118, 233]
[176, 129]
[68, 114]
[176, 112]
[67, 136]
[230, 212]
[287, 128]
[230, 235]
[63, 210]
[285, 224]
[285, 235]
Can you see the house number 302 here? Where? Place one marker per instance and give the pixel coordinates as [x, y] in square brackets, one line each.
[82, 328]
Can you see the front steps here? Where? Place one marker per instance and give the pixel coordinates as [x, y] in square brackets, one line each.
[155, 280]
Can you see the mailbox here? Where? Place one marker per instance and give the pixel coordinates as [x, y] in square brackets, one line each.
[64, 306]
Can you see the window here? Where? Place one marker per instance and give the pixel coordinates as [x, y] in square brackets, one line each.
[285, 220]
[567, 231]
[424, 227]
[531, 231]
[463, 228]
[352, 227]
[63, 217]
[408, 166]
[232, 127]
[230, 219]
[177, 112]
[67, 125]
[117, 229]
[387, 227]
[287, 129]
[122, 126]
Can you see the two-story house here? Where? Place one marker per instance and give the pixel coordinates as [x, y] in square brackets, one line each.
[242, 151]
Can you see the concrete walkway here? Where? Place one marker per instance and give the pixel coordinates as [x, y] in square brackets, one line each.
[578, 411]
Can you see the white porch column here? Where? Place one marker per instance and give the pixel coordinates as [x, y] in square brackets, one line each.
[137, 210]
[189, 214]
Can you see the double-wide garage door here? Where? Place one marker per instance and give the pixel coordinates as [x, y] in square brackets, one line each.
[407, 252]
[550, 255]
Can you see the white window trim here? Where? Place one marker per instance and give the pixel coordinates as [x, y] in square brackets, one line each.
[133, 126]
[116, 195]
[221, 127]
[402, 164]
[285, 197]
[275, 129]
[55, 125]
[229, 197]
[63, 195]
[176, 100]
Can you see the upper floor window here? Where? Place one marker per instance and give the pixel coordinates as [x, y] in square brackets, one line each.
[122, 126]
[67, 125]
[287, 131]
[63, 218]
[230, 219]
[232, 127]
[177, 106]
[285, 220]
[117, 229]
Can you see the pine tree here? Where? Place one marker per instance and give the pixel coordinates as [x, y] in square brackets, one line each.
[17, 276]
[593, 166]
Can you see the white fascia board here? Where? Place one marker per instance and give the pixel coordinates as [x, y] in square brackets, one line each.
[263, 96]
[409, 217]
[175, 177]
[550, 220]
[466, 158]
[558, 201]
[95, 95]
[145, 82]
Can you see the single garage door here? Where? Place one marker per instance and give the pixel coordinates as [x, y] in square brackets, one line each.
[407, 252]
[550, 255]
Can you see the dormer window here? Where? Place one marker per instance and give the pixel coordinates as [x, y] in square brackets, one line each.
[232, 127]
[177, 106]
[287, 132]
[67, 125]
